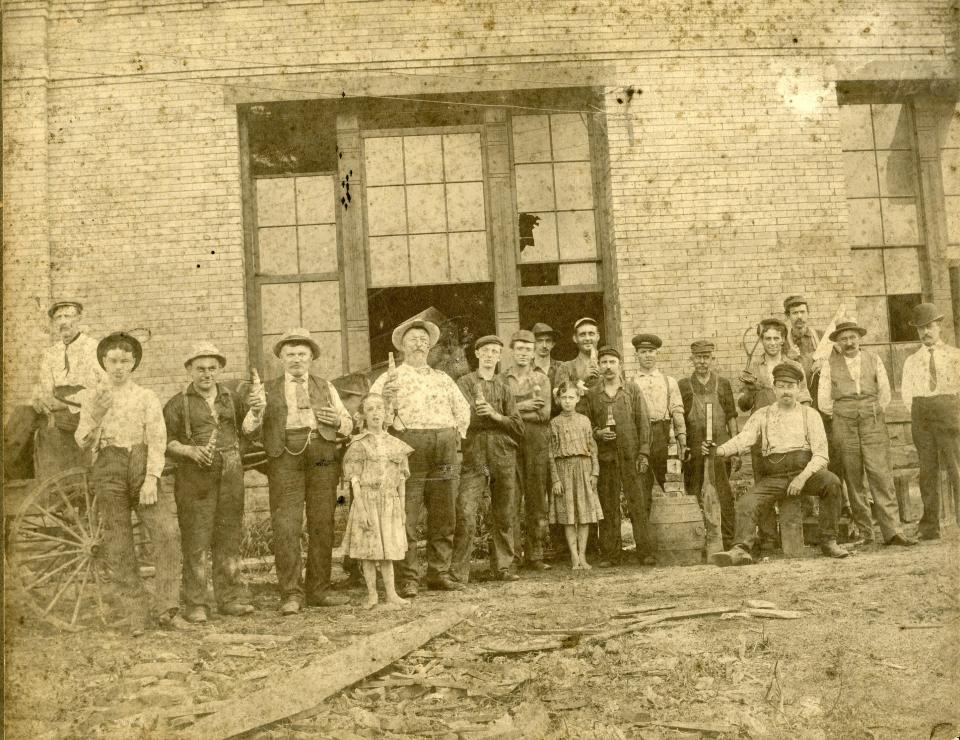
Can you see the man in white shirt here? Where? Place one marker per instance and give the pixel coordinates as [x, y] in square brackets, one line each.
[930, 388]
[66, 368]
[793, 462]
[855, 392]
[431, 414]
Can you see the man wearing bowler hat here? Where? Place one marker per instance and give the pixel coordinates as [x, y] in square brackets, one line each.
[544, 339]
[854, 392]
[203, 433]
[489, 459]
[430, 415]
[793, 462]
[930, 388]
[301, 419]
[66, 368]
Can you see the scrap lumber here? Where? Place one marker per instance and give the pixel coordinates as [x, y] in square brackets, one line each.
[774, 613]
[229, 638]
[622, 613]
[656, 619]
[302, 690]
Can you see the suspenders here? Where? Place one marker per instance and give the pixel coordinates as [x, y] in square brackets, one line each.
[764, 436]
[186, 411]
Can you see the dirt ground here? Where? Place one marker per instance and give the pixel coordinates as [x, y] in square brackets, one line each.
[845, 669]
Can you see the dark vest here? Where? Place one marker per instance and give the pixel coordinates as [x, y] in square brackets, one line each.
[843, 389]
[275, 414]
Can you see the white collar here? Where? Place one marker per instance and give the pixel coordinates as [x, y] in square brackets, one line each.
[288, 378]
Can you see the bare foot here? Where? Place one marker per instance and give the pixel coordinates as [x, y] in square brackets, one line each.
[395, 600]
[576, 566]
[585, 565]
[391, 606]
[370, 601]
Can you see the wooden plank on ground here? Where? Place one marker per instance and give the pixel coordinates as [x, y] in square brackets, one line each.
[301, 690]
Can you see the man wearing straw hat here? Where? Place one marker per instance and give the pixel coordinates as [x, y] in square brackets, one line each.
[431, 414]
[854, 391]
[203, 436]
[66, 368]
[931, 390]
[301, 419]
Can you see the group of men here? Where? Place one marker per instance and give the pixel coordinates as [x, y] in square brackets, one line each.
[486, 430]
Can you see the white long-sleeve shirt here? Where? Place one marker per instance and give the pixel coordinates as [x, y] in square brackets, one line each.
[916, 373]
[428, 399]
[855, 366]
[71, 364]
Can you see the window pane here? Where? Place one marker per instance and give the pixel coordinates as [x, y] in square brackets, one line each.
[531, 139]
[461, 157]
[569, 136]
[422, 159]
[865, 228]
[902, 268]
[468, 257]
[271, 363]
[950, 167]
[386, 211]
[873, 317]
[278, 250]
[539, 275]
[867, 272]
[535, 187]
[425, 209]
[383, 160]
[315, 200]
[321, 305]
[949, 127]
[952, 203]
[900, 352]
[388, 261]
[538, 237]
[855, 129]
[892, 126]
[900, 221]
[428, 259]
[883, 352]
[465, 209]
[578, 238]
[574, 186]
[279, 307]
[861, 174]
[579, 273]
[275, 202]
[898, 174]
[330, 363]
[318, 248]
[901, 309]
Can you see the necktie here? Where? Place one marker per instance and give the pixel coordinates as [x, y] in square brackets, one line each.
[303, 398]
[66, 356]
[933, 372]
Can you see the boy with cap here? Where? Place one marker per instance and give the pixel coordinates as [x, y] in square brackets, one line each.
[531, 393]
[122, 424]
[489, 459]
[801, 339]
[203, 433]
[583, 370]
[66, 368]
[300, 419]
[664, 406]
[433, 414]
[793, 462]
[621, 426]
[854, 391]
[931, 390]
[706, 387]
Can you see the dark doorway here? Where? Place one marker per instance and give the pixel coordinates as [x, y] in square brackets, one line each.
[560, 311]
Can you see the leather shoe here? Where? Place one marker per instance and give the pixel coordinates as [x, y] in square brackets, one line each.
[831, 548]
[444, 583]
[538, 565]
[329, 600]
[289, 607]
[196, 615]
[173, 621]
[734, 556]
[407, 590]
[901, 540]
[236, 610]
[506, 575]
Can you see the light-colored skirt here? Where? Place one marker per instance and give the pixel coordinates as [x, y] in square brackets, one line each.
[578, 504]
[375, 529]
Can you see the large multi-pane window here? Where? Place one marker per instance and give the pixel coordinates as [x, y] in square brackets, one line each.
[950, 168]
[883, 198]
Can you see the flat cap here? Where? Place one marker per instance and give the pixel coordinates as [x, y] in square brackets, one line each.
[115, 341]
[523, 335]
[205, 349]
[585, 320]
[647, 341]
[925, 313]
[611, 351]
[788, 370]
[793, 300]
[702, 346]
[541, 328]
[488, 339]
[62, 304]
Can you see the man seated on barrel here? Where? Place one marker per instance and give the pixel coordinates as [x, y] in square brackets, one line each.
[793, 447]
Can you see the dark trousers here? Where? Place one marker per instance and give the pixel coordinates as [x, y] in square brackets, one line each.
[693, 472]
[210, 510]
[434, 471]
[769, 489]
[616, 475]
[935, 422]
[657, 470]
[863, 445]
[307, 480]
[498, 471]
[116, 481]
[533, 481]
[55, 450]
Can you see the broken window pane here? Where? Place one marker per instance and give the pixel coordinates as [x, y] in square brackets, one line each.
[538, 237]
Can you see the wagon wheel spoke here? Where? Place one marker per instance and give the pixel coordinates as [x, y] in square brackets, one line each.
[90, 501]
[53, 572]
[63, 588]
[83, 585]
[52, 554]
[59, 521]
[49, 537]
[43, 569]
[73, 510]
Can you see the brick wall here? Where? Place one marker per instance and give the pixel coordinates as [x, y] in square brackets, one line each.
[726, 181]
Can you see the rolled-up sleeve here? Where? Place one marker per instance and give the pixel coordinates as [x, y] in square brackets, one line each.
[818, 443]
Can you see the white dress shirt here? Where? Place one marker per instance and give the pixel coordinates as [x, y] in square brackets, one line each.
[428, 399]
[298, 418]
[854, 366]
[80, 355]
[916, 373]
[662, 394]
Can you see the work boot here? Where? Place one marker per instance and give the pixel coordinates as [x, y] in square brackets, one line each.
[171, 620]
[831, 548]
[236, 610]
[902, 540]
[289, 607]
[407, 590]
[736, 555]
[196, 614]
[443, 582]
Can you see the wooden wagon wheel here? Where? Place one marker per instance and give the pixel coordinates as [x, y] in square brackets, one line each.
[56, 553]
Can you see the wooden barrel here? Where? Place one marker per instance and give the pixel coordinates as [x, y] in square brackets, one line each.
[676, 530]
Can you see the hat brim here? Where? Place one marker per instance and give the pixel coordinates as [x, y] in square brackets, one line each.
[63, 304]
[917, 325]
[314, 347]
[222, 360]
[837, 332]
[112, 339]
[433, 332]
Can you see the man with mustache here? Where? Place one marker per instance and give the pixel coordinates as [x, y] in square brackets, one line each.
[931, 390]
[801, 341]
